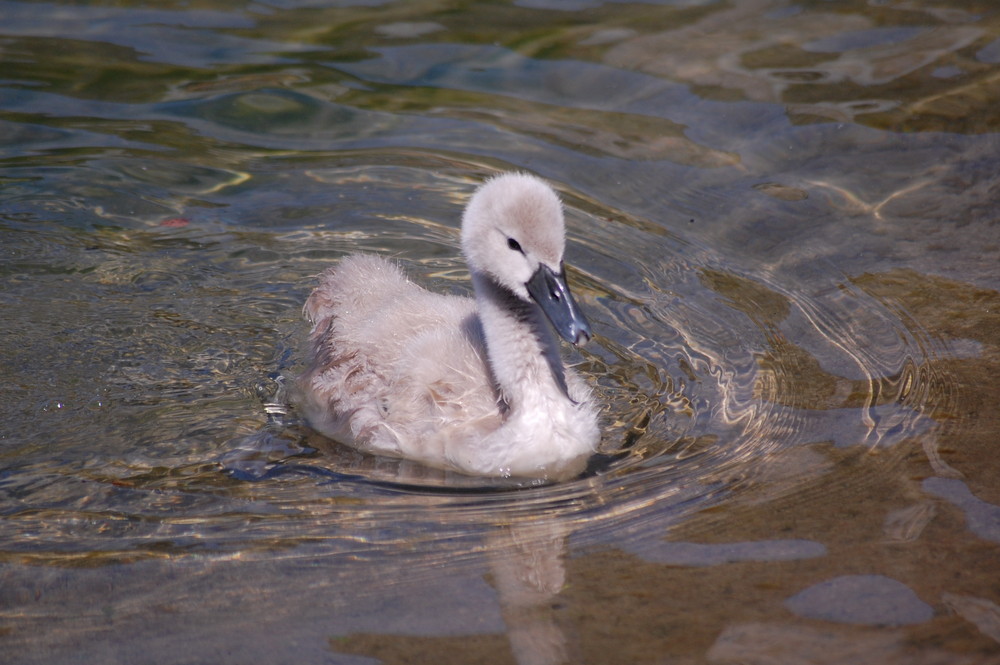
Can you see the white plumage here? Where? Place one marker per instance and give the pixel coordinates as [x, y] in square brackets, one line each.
[476, 386]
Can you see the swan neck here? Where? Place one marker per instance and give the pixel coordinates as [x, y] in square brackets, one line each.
[522, 348]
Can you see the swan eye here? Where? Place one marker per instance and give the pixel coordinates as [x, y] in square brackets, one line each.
[514, 245]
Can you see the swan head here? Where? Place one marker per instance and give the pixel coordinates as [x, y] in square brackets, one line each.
[513, 232]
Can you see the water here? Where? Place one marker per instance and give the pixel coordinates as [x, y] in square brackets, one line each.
[782, 225]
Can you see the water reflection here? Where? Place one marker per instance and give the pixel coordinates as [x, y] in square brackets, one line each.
[782, 222]
[526, 566]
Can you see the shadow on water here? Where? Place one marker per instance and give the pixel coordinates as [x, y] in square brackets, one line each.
[784, 236]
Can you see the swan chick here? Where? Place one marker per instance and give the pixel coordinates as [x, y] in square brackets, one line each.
[471, 385]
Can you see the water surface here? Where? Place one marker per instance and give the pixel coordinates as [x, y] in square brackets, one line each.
[782, 224]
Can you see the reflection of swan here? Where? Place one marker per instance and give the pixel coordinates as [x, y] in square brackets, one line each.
[526, 560]
[399, 371]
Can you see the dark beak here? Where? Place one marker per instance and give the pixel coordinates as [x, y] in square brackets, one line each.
[550, 291]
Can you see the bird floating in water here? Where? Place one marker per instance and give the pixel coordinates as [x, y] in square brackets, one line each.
[471, 385]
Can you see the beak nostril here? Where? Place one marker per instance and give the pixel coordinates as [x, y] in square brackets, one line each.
[550, 292]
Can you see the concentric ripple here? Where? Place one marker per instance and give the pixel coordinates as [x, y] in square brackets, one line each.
[719, 380]
[705, 391]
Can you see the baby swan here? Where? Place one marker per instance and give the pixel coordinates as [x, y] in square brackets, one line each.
[476, 386]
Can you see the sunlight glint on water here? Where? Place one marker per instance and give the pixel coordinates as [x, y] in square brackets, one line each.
[783, 233]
